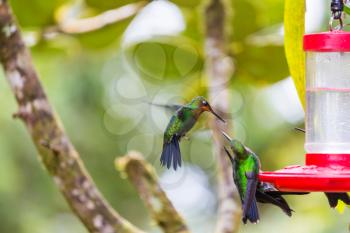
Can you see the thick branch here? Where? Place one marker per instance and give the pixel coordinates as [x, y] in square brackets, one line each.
[55, 150]
[145, 180]
[219, 67]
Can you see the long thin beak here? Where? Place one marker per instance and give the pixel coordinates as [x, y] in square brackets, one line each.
[217, 115]
[226, 136]
[299, 129]
[229, 155]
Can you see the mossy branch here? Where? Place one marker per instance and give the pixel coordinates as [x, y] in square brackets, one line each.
[56, 151]
[143, 176]
[219, 69]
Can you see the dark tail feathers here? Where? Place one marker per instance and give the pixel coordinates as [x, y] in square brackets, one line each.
[282, 203]
[274, 198]
[253, 213]
[334, 197]
[171, 154]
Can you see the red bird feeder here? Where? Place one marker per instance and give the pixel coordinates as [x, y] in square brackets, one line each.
[327, 121]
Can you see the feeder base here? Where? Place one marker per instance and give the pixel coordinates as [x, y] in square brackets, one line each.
[322, 173]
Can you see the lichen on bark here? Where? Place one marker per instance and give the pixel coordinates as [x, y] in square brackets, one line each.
[143, 176]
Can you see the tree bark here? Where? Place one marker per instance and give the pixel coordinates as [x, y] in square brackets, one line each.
[56, 151]
[219, 69]
[143, 176]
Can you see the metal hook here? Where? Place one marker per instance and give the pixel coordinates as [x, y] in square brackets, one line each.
[337, 7]
[338, 27]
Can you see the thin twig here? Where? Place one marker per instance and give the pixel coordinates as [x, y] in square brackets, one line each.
[78, 26]
[219, 68]
[56, 151]
[144, 178]
[75, 26]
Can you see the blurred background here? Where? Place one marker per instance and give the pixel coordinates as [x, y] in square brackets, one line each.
[100, 82]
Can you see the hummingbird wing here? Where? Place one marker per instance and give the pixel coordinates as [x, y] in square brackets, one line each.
[334, 197]
[170, 107]
[250, 209]
[277, 200]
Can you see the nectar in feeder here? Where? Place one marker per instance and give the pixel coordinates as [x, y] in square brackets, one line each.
[327, 122]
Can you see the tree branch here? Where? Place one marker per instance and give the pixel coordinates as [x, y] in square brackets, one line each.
[78, 26]
[56, 151]
[219, 68]
[144, 178]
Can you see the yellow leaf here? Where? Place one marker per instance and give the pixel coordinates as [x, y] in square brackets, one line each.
[340, 207]
[294, 28]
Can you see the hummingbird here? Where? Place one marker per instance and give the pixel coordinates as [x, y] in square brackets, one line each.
[245, 166]
[333, 198]
[180, 123]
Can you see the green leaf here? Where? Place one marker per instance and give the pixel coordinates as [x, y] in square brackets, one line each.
[347, 8]
[251, 16]
[165, 58]
[109, 4]
[261, 65]
[340, 207]
[187, 3]
[104, 36]
[294, 26]
[35, 13]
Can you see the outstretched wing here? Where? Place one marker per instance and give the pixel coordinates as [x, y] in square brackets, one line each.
[170, 107]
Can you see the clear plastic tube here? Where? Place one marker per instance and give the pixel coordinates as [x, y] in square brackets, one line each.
[328, 102]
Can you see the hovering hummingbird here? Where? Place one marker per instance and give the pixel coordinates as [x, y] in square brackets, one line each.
[245, 166]
[180, 123]
[333, 198]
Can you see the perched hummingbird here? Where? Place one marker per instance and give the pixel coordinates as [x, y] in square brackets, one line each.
[333, 198]
[180, 123]
[245, 166]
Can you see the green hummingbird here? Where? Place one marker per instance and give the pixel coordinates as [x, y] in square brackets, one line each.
[266, 192]
[245, 166]
[180, 123]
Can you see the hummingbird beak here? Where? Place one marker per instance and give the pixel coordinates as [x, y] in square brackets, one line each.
[215, 114]
[226, 136]
[229, 155]
[299, 129]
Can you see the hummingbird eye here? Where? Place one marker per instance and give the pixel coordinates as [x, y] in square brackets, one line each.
[205, 103]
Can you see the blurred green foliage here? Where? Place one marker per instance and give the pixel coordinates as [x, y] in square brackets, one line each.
[99, 89]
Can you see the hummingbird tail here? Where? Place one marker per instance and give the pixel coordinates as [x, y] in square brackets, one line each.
[253, 213]
[171, 154]
[333, 198]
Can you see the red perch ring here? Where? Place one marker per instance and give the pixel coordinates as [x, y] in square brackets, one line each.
[322, 173]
